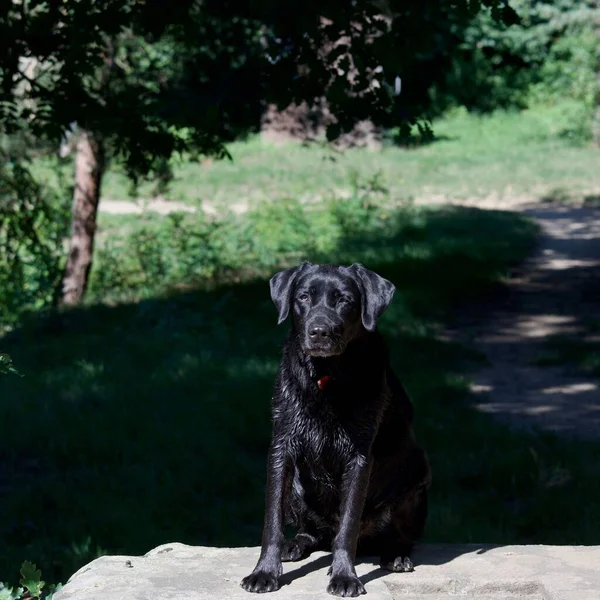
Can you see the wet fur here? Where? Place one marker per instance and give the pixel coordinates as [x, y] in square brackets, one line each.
[344, 467]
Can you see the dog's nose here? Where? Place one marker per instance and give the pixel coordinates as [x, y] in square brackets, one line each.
[318, 331]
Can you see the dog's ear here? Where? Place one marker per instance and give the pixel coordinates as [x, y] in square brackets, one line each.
[376, 293]
[281, 285]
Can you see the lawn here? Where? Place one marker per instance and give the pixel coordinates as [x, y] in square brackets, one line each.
[527, 154]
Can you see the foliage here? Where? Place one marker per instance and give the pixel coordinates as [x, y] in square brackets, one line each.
[110, 68]
[33, 222]
[136, 72]
[155, 82]
[32, 585]
[7, 593]
[192, 248]
[489, 70]
[31, 579]
[6, 365]
[573, 69]
[553, 47]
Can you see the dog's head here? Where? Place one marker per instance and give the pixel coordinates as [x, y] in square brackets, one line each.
[330, 305]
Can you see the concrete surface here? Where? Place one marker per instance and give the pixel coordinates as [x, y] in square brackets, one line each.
[179, 572]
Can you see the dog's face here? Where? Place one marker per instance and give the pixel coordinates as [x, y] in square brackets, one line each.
[330, 305]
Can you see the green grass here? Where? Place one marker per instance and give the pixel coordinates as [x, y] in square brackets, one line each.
[499, 156]
[148, 422]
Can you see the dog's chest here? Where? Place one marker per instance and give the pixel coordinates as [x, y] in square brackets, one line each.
[321, 441]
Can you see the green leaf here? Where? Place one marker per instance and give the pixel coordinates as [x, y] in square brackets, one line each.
[7, 593]
[53, 589]
[31, 579]
[6, 366]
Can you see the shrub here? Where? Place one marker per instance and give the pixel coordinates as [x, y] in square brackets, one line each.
[33, 223]
[552, 52]
[193, 249]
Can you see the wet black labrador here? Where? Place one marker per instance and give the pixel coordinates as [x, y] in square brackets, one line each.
[343, 465]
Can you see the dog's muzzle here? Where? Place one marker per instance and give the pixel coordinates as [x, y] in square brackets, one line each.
[321, 339]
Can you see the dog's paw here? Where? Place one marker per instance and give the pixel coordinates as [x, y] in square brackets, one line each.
[292, 550]
[260, 582]
[346, 586]
[400, 564]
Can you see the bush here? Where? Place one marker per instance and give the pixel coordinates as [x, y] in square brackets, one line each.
[193, 249]
[33, 223]
[571, 70]
[552, 53]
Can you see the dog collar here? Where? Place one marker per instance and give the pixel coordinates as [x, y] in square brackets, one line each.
[324, 382]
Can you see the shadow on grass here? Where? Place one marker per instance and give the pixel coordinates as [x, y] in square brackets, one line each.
[147, 423]
[414, 140]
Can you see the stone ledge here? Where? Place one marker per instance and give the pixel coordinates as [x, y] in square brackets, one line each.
[471, 571]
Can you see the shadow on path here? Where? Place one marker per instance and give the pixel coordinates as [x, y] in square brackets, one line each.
[551, 301]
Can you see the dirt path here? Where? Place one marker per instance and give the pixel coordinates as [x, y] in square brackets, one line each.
[555, 293]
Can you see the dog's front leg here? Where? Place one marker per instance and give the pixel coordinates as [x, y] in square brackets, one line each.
[265, 577]
[355, 480]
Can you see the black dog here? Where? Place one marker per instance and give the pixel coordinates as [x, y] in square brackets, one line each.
[343, 463]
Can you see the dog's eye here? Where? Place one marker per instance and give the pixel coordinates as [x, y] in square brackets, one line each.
[303, 297]
[344, 300]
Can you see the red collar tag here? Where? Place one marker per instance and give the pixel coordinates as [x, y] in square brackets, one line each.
[323, 382]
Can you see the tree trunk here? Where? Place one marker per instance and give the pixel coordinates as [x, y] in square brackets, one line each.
[89, 168]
